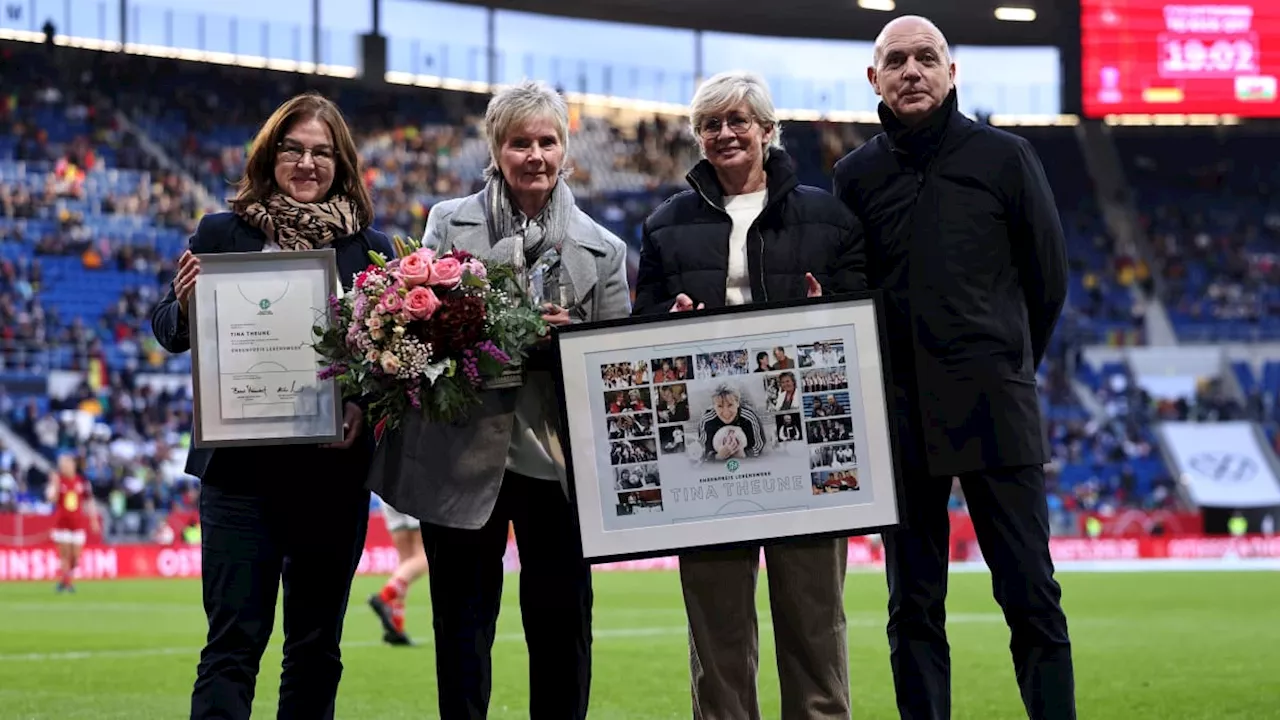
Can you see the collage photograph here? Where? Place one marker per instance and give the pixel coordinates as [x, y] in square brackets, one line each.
[834, 481]
[722, 405]
[822, 354]
[833, 457]
[637, 399]
[724, 363]
[782, 392]
[632, 426]
[619, 376]
[825, 431]
[787, 428]
[637, 502]
[627, 452]
[825, 405]
[824, 380]
[636, 477]
[773, 359]
[673, 403]
[672, 369]
[729, 422]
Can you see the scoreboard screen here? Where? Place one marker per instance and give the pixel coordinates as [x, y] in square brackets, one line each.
[1156, 56]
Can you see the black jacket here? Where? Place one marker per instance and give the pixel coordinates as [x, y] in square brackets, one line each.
[963, 235]
[685, 246]
[227, 232]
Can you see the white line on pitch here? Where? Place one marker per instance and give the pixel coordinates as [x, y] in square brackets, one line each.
[601, 633]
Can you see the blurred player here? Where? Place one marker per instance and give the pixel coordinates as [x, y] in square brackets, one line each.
[406, 535]
[73, 514]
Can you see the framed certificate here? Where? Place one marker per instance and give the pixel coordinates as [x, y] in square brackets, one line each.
[734, 426]
[254, 368]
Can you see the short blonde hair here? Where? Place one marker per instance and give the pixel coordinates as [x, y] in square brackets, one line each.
[730, 89]
[519, 104]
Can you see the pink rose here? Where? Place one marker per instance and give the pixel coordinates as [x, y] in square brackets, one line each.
[390, 363]
[415, 269]
[421, 303]
[446, 272]
[390, 303]
[475, 268]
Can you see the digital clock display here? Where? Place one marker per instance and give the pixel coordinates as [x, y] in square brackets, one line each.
[1156, 56]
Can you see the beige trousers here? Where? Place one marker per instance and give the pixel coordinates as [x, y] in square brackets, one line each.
[806, 597]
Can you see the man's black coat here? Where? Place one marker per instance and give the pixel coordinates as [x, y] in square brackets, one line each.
[963, 235]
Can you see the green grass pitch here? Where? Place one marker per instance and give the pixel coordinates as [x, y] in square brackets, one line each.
[1158, 646]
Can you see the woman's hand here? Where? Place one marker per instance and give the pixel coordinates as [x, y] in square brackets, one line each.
[352, 426]
[184, 283]
[684, 303]
[730, 447]
[555, 315]
[812, 287]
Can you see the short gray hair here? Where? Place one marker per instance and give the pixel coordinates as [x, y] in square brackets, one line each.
[730, 89]
[520, 103]
[725, 390]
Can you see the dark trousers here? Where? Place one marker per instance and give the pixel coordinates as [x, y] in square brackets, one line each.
[555, 603]
[266, 527]
[1011, 519]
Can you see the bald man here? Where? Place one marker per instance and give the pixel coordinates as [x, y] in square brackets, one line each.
[963, 236]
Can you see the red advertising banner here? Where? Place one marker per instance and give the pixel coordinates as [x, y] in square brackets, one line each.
[1145, 523]
[160, 561]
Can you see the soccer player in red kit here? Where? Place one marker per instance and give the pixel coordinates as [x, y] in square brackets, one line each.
[388, 605]
[73, 515]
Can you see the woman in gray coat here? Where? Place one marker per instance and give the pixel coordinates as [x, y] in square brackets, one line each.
[510, 466]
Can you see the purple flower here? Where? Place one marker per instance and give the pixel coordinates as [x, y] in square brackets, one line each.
[328, 372]
[493, 351]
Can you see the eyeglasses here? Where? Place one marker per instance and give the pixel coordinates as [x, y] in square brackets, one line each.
[738, 124]
[293, 153]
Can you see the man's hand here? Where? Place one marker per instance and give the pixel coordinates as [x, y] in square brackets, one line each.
[812, 287]
[352, 426]
[184, 283]
[684, 303]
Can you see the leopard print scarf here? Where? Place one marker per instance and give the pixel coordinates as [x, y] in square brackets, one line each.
[297, 225]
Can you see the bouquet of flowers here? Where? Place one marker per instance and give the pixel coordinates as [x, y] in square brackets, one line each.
[427, 333]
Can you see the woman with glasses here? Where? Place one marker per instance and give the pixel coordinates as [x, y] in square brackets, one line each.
[749, 232]
[273, 514]
[506, 467]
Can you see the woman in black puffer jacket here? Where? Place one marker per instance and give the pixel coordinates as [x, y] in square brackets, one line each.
[749, 232]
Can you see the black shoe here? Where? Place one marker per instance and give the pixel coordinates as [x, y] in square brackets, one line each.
[383, 611]
[396, 638]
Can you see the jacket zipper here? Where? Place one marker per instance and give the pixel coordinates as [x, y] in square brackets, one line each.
[760, 235]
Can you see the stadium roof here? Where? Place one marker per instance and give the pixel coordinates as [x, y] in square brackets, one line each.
[965, 22]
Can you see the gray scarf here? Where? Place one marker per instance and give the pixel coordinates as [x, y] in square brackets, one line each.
[543, 236]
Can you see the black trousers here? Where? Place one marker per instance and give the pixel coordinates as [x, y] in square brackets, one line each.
[1011, 519]
[261, 525]
[555, 603]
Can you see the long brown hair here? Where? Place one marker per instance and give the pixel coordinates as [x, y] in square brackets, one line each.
[259, 180]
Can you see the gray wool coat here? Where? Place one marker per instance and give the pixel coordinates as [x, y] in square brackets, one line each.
[450, 474]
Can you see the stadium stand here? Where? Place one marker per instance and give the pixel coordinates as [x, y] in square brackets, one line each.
[99, 194]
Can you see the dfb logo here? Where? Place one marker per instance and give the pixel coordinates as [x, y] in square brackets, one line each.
[1224, 466]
